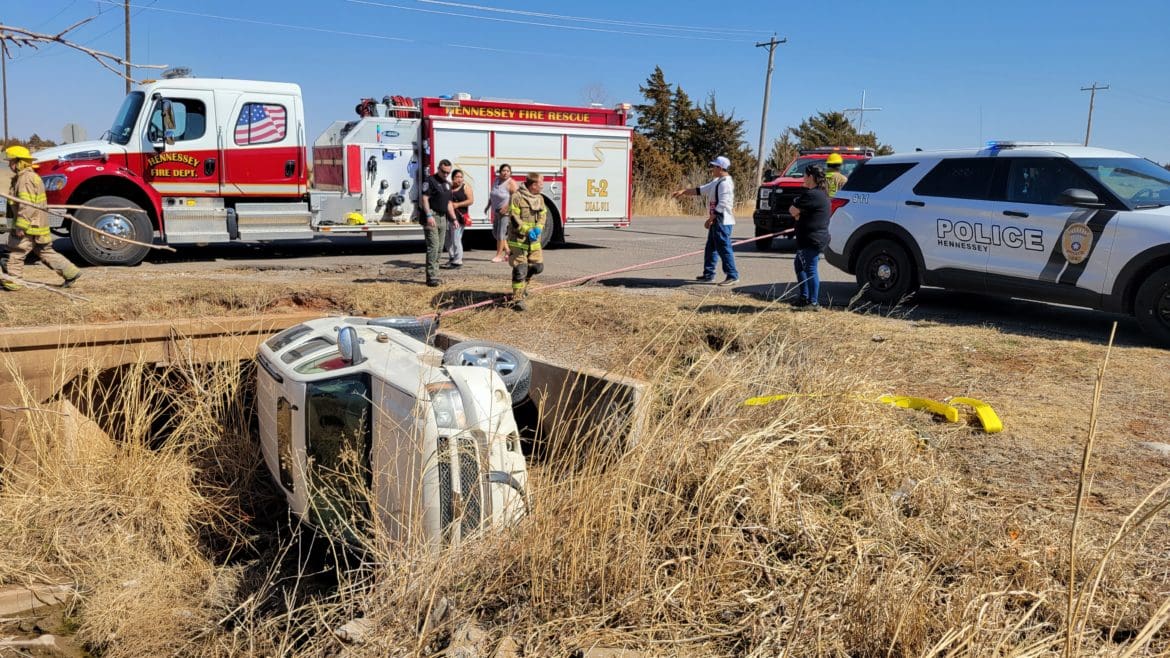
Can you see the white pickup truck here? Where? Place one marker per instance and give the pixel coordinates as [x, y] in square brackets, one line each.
[364, 424]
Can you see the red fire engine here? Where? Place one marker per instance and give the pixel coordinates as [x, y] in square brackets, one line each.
[198, 161]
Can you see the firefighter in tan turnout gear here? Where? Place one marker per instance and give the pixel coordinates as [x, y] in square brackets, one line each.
[29, 232]
[526, 222]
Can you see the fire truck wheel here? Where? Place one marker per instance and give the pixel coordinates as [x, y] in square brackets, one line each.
[125, 219]
[420, 330]
[510, 364]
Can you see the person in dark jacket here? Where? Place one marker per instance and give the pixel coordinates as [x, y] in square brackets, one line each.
[811, 210]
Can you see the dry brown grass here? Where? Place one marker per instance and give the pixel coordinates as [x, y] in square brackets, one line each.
[662, 205]
[814, 527]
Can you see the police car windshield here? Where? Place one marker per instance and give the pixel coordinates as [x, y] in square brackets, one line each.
[1138, 182]
[798, 167]
[127, 116]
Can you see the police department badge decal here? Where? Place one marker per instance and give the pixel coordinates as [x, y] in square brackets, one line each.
[1076, 243]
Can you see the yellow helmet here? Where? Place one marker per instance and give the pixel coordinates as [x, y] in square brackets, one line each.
[18, 152]
[355, 219]
[834, 159]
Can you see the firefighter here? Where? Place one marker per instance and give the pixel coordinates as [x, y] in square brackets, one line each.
[833, 176]
[30, 228]
[525, 224]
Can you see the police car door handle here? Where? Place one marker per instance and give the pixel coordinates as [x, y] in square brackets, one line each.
[920, 204]
[1015, 213]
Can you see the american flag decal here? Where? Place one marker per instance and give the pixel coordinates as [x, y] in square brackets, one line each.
[261, 124]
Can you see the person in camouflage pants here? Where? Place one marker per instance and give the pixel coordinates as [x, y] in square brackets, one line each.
[526, 223]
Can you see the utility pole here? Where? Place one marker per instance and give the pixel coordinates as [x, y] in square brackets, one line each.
[4, 82]
[1092, 96]
[861, 113]
[771, 44]
[126, 14]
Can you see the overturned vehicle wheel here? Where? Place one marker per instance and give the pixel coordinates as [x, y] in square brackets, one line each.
[509, 363]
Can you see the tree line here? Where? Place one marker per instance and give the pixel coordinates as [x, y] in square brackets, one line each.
[675, 137]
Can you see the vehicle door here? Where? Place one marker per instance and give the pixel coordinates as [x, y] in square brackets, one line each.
[264, 152]
[181, 133]
[1041, 241]
[947, 212]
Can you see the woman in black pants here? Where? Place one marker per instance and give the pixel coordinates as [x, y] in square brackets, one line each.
[811, 210]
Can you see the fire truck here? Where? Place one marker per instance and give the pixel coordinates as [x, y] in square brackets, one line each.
[195, 161]
[777, 193]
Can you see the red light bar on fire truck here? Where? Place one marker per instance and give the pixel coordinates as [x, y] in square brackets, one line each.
[844, 150]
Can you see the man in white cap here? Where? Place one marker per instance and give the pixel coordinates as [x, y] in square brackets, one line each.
[720, 193]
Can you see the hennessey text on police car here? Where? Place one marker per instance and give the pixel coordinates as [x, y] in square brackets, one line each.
[1068, 224]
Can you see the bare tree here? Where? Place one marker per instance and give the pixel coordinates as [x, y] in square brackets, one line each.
[595, 92]
[12, 37]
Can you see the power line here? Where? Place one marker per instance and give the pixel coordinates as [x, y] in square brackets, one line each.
[583, 19]
[387, 5]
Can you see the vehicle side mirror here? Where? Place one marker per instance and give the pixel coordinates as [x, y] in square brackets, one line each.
[1074, 196]
[350, 345]
[769, 175]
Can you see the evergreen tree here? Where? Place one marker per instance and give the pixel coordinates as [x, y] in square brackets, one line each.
[686, 120]
[722, 134]
[654, 116]
[834, 129]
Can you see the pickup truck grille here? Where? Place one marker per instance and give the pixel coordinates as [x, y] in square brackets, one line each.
[781, 198]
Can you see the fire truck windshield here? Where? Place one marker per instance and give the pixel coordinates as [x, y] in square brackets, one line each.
[127, 116]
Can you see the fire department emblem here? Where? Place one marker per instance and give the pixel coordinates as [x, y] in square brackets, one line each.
[1076, 243]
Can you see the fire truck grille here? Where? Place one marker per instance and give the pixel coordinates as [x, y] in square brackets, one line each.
[470, 485]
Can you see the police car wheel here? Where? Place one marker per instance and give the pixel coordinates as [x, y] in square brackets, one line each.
[512, 365]
[1151, 306]
[885, 272]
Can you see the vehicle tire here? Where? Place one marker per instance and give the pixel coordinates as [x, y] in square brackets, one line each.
[763, 245]
[512, 365]
[98, 250]
[417, 328]
[1151, 306]
[885, 272]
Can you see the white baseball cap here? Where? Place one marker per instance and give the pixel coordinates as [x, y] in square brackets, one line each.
[721, 162]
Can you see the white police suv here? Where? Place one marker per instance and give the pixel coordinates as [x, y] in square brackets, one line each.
[1051, 222]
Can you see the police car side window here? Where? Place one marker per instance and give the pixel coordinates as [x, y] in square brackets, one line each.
[958, 178]
[1041, 180]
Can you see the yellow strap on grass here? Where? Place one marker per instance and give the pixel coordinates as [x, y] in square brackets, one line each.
[983, 411]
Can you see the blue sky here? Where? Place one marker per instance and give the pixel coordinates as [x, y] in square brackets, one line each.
[946, 74]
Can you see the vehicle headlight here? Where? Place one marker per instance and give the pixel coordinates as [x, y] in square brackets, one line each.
[54, 182]
[447, 404]
[765, 192]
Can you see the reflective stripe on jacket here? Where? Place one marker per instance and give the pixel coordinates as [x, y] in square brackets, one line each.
[32, 219]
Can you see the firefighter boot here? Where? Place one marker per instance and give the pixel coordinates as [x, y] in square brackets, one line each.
[71, 277]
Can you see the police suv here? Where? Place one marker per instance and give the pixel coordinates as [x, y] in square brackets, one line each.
[1051, 222]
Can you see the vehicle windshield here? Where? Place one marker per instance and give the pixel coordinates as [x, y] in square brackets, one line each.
[1136, 181]
[127, 116]
[798, 167]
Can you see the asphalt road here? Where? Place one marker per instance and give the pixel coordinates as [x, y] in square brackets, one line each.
[763, 275]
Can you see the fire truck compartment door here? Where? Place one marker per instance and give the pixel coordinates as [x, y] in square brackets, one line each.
[597, 181]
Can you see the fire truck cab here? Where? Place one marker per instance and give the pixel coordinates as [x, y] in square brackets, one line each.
[192, 161]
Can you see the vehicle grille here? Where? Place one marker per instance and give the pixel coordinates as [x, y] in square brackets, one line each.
[446, 504]
[470, 485]
[782, 198]
[464, 500]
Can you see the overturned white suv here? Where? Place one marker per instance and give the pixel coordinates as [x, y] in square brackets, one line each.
[1059, 223]
[363, 422]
